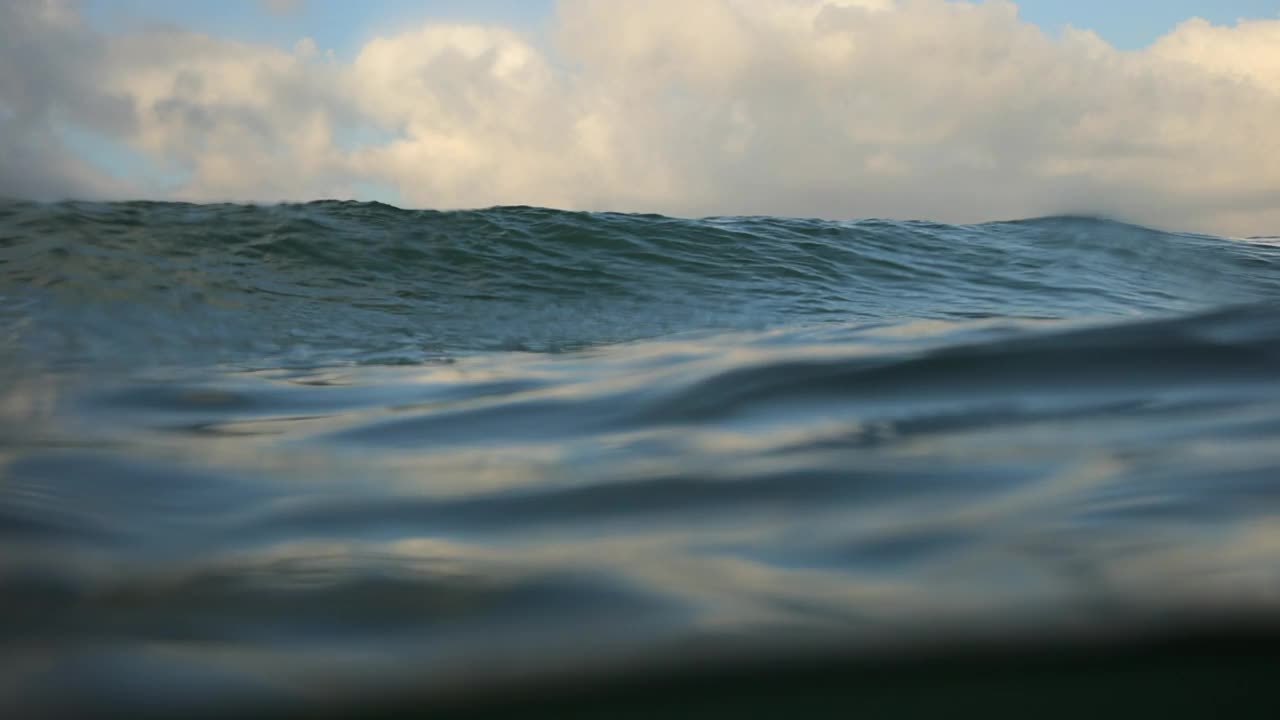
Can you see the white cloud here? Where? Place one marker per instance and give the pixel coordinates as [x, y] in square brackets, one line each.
[49, 71]
[924, 108]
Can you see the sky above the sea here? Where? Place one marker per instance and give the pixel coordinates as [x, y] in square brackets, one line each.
[1154, 111]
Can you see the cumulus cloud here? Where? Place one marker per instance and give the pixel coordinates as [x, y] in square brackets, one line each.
[838, 108]
[49, 78]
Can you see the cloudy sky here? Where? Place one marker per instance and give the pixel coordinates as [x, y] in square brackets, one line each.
[1158, 111]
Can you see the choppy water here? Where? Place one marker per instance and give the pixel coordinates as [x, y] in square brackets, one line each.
[284, 455]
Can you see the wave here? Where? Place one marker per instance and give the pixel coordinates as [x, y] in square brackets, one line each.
[266, 455]
[345, 281]
[715, 425]
[514, 511]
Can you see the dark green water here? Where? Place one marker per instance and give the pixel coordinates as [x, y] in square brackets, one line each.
[285, 457]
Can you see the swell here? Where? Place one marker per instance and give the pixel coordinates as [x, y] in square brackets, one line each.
[339, 281]
[330, 527]
[710, 428]
[484, 253]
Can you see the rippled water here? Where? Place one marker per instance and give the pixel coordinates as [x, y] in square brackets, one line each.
[285, 455]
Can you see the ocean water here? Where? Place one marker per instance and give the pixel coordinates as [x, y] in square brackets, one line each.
[284, 457]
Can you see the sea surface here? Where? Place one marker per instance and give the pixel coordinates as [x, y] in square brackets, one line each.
[281, 457]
